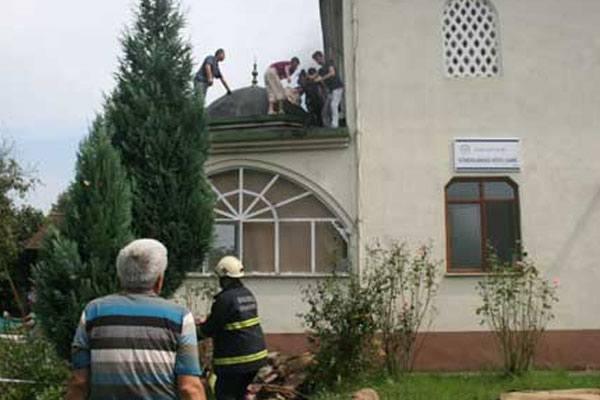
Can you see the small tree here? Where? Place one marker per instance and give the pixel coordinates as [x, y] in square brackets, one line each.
[341, 326]
[78, 263]
[405, 285]
[17, 223]
[58, 280]
[517, 306]
[159, 128]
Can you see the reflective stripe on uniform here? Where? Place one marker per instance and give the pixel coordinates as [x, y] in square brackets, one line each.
[241, 324]
[241, 359]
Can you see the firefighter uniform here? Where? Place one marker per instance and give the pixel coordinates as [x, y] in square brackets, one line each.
[239, 349]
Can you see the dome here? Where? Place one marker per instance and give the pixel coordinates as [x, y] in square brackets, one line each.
[248, 101]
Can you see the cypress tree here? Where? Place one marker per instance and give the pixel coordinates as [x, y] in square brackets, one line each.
[78, 262]
[158, 125]
[100, 216]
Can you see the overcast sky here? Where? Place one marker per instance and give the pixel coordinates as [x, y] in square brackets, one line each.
[57, 60]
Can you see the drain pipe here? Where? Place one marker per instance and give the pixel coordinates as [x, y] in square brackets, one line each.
[360, 250]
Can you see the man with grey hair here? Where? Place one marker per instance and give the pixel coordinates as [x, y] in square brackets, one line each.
[134, 345]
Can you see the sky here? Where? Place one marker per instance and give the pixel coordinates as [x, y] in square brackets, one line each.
[58, 59]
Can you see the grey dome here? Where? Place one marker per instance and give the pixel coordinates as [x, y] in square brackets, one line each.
[245, 102]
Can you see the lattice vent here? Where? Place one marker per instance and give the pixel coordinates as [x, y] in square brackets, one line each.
[470, 36]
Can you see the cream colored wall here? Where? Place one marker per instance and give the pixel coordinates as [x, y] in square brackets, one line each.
[279, 301]
[548, 95]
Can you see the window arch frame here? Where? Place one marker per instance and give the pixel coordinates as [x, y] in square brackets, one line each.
[251, 213]
[482, 202]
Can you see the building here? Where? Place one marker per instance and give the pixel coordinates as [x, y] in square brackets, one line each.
[509, 77]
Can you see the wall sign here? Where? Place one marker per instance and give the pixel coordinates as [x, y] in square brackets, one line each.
[487, 154]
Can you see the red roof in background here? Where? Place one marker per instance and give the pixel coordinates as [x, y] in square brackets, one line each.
[35, 242]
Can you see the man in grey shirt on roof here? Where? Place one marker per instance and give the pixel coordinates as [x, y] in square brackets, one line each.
[209, 71]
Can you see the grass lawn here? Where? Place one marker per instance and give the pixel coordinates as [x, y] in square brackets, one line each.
[467, 386]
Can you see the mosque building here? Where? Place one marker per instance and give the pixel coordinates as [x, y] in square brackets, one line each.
[466, 122]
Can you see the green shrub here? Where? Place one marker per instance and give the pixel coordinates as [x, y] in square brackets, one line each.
[35, 360]
[404, 286]
[517, 306]
[355, 322]
[341, 325]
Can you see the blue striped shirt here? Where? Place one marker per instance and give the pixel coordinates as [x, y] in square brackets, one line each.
[135, 345]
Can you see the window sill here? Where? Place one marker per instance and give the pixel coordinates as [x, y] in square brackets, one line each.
[465, 274]
[475, 274]
[292, 275]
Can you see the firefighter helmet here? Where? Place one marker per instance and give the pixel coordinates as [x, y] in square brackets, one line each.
[230, 266]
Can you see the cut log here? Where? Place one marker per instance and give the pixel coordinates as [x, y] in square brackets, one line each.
[571, 394]
[282, 377]
[365, 394]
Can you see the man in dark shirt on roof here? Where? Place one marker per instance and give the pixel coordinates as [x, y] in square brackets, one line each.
[315, 96]
[335, 89]
[209, 71]
[273, 76]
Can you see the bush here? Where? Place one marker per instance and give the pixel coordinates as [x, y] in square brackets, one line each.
[33, 359]
[517, 306]
[404, 287]
[340, 322]
[356, 322]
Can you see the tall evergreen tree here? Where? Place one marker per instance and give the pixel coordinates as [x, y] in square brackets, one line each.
[159, 128]
[100, 216]
[78, 263]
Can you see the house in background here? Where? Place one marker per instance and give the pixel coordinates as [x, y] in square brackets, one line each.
[467, 121]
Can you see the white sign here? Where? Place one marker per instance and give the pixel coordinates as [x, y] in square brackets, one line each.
[487, 154]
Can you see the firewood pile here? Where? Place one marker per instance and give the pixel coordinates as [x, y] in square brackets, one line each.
[282, 378]
[572, 394]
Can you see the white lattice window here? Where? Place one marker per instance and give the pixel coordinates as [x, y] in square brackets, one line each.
[275, 226]
[470, 37]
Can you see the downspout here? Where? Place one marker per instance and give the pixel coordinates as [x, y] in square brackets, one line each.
[360, 251]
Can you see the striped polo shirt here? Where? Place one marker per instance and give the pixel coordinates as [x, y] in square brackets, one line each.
[135, 345]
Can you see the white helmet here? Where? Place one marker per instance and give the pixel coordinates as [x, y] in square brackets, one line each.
[230, 266]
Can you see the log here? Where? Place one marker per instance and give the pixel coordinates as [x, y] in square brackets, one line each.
[570, 394]
[365, 394]
[281, 378]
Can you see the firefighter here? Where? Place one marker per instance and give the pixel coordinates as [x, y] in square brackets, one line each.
[239, 349]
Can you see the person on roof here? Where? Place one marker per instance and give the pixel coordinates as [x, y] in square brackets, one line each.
[273, 76]
[330, 76]
[209, 71]
[239, 349]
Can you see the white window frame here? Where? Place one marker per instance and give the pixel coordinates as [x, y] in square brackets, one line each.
[243, 215]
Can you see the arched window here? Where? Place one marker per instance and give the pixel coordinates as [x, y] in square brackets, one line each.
[481, 212]
[470, 39]
[274, 225]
